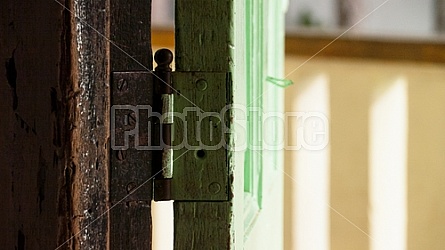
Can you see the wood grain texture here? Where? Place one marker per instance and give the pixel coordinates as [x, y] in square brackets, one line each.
[203, 35]
[366, 48]
[55, 121]
[89, 123]
[32, 131]
[130, 50]
[202, 225]
[130, 33]
[131, 227]
[203, 41]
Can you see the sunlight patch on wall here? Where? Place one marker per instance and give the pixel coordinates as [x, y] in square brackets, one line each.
[388, 162]
[311, 169]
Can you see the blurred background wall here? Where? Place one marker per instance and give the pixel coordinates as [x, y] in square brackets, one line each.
[393, 17]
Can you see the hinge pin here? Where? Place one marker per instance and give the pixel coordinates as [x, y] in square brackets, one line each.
[164, 105]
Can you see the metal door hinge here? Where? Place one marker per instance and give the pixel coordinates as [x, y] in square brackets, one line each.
[197, 109]
[131, 97]
[174, 126]
[200, 134]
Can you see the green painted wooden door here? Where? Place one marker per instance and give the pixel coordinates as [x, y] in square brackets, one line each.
[245, 41]
[263, 188]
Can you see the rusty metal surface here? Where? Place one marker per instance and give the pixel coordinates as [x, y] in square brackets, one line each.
[200, 136]
[131, 181]
[131, 159]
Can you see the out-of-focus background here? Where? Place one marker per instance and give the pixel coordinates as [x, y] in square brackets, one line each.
[375, 68]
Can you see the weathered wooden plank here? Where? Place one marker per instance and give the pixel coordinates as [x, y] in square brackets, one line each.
[203, 43]
[131, 228]
[130, 34]
[130, 50]
[32, 128]
[55, 123]
[89, 123]
[202, 225]
[203, 35]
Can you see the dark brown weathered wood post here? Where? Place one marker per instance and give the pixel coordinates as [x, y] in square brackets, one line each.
[130, 51]
[89, 124]
[34, 144]
[55, 126]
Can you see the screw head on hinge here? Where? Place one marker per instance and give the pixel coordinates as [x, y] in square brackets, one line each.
[130, 187]
[214, 188]
[121, 155]
[201, 84]
[122, 85]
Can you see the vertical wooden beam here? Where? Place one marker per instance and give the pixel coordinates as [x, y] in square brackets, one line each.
[203, 35]
[89, 123]
[203, 42]
[32, 130]
[55, 121]
[130, 33]
[130, 50]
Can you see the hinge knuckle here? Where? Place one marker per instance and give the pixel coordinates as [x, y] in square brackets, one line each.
[164, 104]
